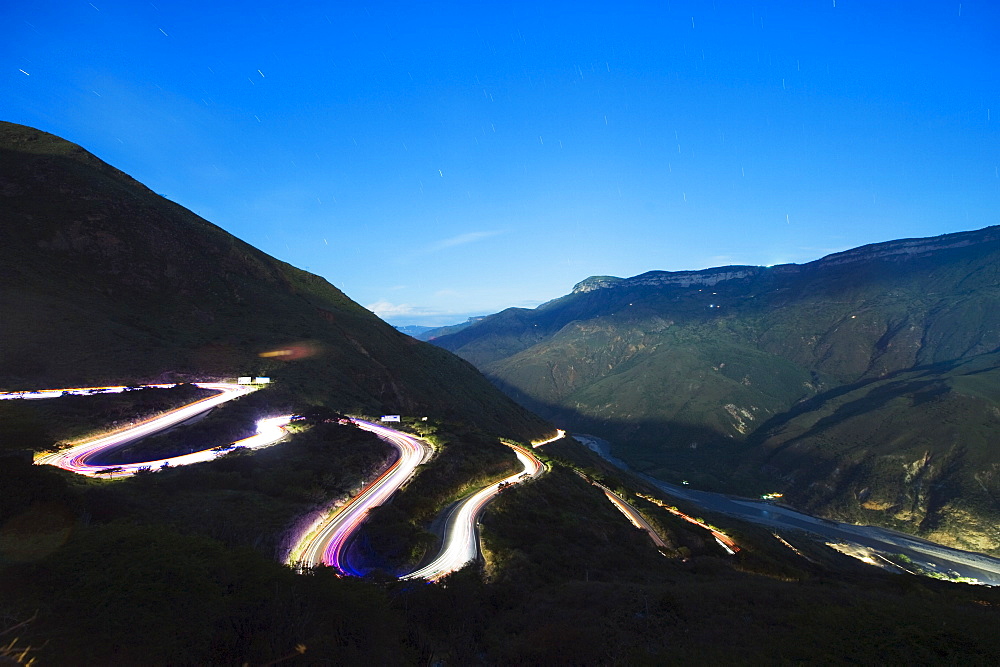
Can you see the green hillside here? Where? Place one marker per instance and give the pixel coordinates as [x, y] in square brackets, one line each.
[105, 281]
[917, 452]
[681, 370]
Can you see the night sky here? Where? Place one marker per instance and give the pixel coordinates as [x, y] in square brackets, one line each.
[439, 160]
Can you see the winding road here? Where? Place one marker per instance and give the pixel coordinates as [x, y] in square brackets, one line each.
[324, 542]
[82, 459]
[461, 543]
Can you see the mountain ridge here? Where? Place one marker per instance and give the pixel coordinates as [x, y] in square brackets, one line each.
[679, 370]
[105, 281]
[712, 276]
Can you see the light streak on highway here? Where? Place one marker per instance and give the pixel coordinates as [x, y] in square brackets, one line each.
[724, 540]
[633, 515]
[558, 436]
[80, 459]
[461, 543]
[793, 548]
[935, 559]
[77, 391]
[326, 546]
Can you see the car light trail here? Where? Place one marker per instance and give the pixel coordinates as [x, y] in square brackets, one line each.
[77, 391]
[724, 540]
[633, 515]
[325, 541]
[327, 545]
[558, 436]
[461, 544]
[80, 459]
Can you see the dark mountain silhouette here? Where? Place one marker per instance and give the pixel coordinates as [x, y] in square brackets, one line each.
[102, 280]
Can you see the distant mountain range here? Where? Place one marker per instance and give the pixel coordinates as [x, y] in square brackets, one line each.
[865, 385]
[430, 333]
[103, 281]
[414, 330]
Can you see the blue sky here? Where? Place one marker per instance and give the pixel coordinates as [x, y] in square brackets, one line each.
[444, 159]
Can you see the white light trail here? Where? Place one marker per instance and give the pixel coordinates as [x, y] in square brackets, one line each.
[327, 545]
[559, 434]
[79, 459]
[461, 544]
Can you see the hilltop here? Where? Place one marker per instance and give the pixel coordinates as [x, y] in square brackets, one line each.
[827, 380]
[104, 281]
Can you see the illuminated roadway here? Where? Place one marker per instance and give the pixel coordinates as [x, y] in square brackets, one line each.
[82, 458]
[324, 544]
[461, 544]
[869, 540]
[324, 547]
[632, 514]
[560, 434]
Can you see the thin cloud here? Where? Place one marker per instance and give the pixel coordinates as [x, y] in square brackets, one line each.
[463, 239]
[404, 313]
[387, 309]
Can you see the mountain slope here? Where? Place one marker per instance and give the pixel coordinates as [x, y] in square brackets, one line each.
[915, 450]
[105, 281]
[680, 369]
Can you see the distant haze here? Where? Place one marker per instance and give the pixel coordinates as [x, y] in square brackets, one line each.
[450, 158]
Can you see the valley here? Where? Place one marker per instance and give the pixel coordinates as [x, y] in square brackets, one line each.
[873, 545]
[862, 385]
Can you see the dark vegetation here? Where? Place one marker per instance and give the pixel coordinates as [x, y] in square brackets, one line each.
[178, 567]
[143, 594]
[398, 536]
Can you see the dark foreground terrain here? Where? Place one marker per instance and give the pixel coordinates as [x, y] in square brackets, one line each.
[179, 567]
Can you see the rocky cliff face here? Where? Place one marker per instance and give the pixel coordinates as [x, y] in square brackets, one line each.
[707, 277]
[891, 250]
[595, 283]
